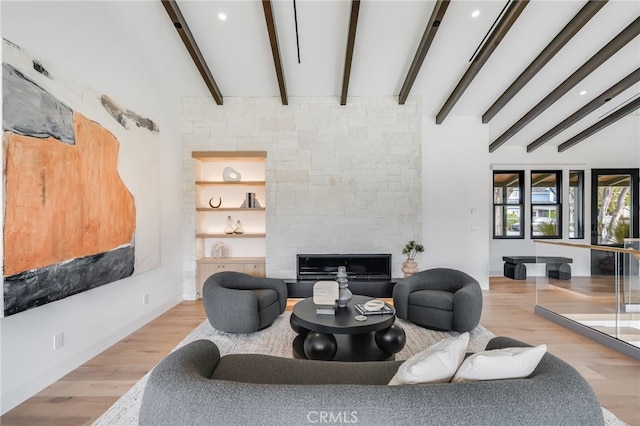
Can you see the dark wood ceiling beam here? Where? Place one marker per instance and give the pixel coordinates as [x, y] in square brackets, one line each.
[275, 49]
[541, 178]
[351, 39]
[596, 103]
[508, 19]
[617, 43]
[427, 38]
[181, 26]
[607, 121]
[623, 180]
[571, 29]
[513, 182]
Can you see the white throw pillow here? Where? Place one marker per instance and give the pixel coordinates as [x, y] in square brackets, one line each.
[436, 364]
[508, 363]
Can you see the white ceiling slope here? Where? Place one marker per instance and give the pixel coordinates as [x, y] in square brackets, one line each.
[238, 54]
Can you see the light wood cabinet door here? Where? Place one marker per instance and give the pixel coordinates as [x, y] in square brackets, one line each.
[207, 267]
[204, 271]
[255, 269]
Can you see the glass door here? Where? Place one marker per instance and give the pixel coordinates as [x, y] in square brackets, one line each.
[614, 214]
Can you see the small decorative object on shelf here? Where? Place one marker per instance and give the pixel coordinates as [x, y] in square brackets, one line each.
[230, 175]
[410, 266]
[345, 294]
[228, 229]
[250, 201]
[220, 251]
[238, 229]
[213, 204]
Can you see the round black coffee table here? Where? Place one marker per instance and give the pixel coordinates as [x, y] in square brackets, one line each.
[341, 337]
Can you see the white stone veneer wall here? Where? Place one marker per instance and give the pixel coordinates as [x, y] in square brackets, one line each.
[339, 179]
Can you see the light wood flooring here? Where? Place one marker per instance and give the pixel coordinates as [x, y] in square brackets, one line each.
[84, 394]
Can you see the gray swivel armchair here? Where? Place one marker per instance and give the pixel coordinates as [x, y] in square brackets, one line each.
[239, 303]
[439, 299]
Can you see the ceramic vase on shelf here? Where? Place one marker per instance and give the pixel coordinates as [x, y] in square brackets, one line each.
[229, 228]
[238, 229]
[220, 250]
[250, 201]
[344, 294]
[409, 267]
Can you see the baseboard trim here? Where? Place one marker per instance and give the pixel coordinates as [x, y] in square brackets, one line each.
[632, 307]
[604, 339]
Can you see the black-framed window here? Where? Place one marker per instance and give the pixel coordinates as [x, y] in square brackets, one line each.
[615, 206]
[576, 204]
[508, 204]
[546, 204]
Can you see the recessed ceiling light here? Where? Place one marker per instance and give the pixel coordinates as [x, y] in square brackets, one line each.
[475, 13]
[222, 16]
[584, 92]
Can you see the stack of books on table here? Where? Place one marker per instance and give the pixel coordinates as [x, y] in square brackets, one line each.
[385, 310]
[326, 309]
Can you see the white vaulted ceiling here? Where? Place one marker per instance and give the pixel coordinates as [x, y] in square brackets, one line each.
[238, 53]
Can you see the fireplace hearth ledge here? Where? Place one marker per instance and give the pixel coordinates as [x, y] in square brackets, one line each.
[368, 274]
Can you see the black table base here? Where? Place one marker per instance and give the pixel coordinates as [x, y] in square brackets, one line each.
[340, 337]
[373, 346]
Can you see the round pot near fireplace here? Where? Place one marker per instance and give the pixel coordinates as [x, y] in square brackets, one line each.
[409, 267]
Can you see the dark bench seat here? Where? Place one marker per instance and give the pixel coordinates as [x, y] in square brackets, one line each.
[556, 266]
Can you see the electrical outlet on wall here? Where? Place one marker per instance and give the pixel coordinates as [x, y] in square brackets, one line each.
[145, 299]
[58, 341]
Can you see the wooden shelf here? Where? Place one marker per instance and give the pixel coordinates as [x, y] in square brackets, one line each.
[225, 183]
[226, 156]
[231, 260]
[205, 235]
[230, 209]
[210, 181]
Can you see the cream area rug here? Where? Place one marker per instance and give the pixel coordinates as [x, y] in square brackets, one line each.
[277, 340]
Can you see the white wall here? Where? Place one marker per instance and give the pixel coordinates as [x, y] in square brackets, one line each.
[616, 146]
[456, 196]
[101, 51]
[456, 180]
[339, 179]
[457, 185]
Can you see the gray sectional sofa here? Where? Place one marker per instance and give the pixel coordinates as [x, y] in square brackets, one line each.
[194, 385]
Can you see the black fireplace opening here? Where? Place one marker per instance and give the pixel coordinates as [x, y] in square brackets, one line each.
[368, 274]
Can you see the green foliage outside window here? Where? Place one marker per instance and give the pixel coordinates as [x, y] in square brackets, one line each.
[548, 229]
[511, 219]
[621, 232]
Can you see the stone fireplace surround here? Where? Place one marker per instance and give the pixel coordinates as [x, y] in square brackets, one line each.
[339, 179]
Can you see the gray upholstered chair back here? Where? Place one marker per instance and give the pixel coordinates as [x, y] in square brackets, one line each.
[236, 303]
[238, 281]
[466, 299]
[443, 279]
